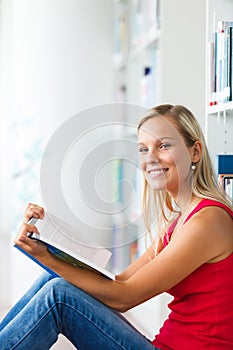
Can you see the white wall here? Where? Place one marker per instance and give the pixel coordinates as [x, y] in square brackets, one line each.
[56, 56]
[5, 264]
[183, 55]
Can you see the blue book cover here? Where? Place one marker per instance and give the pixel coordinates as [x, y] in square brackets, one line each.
[224, 164]
[36, 261]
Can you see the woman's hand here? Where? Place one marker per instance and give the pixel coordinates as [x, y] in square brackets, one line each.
[33, 211]
[31, 246]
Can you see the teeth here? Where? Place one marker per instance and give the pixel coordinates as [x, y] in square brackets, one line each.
[156, 172]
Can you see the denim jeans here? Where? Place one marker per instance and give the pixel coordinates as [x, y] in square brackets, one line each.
[53, 306]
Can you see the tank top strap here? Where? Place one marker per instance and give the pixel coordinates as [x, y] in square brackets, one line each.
[169, 232]
[202, 204]
[208, 203]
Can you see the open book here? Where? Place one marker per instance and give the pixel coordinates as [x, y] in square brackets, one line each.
[63, 241]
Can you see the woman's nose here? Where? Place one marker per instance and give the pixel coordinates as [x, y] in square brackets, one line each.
[152, 157]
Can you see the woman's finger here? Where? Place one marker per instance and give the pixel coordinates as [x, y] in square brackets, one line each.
[31, 206]
[33, 210]
[23, 232]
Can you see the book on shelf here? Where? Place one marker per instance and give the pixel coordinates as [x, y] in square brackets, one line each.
[225, 172]
[149, 80]
[224, 164]
[221, 52]
[66, 243]
[228, 185]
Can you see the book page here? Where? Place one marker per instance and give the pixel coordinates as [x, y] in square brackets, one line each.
[60, 234]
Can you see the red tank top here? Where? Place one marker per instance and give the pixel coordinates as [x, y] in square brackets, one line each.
[201, 314]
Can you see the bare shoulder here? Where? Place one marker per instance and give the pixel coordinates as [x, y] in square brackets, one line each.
[215, 219]
[211, 227]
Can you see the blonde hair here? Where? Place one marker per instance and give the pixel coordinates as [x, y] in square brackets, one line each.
[204, 184]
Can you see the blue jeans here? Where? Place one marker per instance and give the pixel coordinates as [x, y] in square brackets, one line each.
[53, 306]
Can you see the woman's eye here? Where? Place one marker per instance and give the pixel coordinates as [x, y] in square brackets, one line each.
[165, 146]
[143, 150]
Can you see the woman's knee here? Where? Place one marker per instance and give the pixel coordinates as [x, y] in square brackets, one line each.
[59, 290]
[56, 285]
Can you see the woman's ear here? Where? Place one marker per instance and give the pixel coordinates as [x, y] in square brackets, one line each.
[196, 152]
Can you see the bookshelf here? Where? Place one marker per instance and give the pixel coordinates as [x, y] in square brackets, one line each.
[219, 111]
[220, 108]
[136, 36]
[135, 64]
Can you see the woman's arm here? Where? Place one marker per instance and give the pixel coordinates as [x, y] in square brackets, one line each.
[201, 239]
[137, 264]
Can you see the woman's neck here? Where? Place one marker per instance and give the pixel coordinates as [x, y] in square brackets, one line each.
[186, 206]
[186, 201]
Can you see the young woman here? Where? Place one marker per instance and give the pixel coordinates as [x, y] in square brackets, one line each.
[192, 259]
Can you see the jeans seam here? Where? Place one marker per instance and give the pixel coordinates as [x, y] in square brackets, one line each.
[100, 329]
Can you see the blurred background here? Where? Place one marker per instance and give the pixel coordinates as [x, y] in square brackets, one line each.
[59, 58]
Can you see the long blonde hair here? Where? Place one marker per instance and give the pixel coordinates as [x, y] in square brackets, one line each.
[159, 204]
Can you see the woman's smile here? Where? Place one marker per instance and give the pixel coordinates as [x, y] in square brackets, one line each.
[155, 173]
